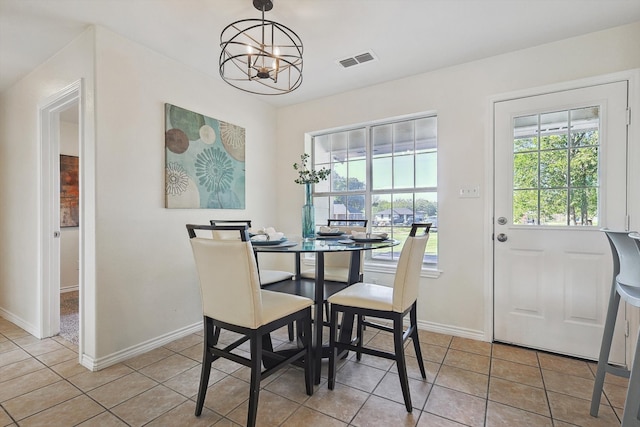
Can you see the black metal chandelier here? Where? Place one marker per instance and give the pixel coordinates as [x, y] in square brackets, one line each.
[261, 56]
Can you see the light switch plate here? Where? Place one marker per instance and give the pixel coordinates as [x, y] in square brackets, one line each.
[469, 191]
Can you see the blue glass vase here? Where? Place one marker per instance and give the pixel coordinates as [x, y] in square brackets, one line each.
[308, 214]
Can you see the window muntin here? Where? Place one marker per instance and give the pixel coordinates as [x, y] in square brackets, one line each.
[386, 172]
[556, 168]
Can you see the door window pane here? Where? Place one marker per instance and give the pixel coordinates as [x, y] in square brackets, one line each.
[553, 207]
[553, 169]
[583, 209]
[525, 207]
[525, 167]
[553, 130]
[584, 126]
[525, 136]
[556, 181]
[584, 167]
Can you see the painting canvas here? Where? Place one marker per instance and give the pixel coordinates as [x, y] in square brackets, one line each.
[204, 161]
[69, 191]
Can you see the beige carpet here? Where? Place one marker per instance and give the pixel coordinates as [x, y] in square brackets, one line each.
[69, 316]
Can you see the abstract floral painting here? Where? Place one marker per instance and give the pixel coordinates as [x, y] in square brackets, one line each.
[69, 191]
[204, 161]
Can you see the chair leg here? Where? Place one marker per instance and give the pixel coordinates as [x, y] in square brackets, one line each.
[605, 349]
[360, 336]
[216, 335]
[414, 337]
[400, 361]
[290, 330]
[254, 390]
[327, 311]
[333, 350]
[207, 359]
[631, 415]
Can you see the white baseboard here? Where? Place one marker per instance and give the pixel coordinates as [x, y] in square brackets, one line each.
[444, 329]
[69, 289]
[453, 330]
[18, 321]
[88, 362]
[138, 349]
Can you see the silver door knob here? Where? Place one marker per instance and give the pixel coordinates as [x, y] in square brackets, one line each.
[502, 237]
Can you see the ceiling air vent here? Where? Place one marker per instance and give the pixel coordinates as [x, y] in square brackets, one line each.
[364, 57]
[349, 62]
[357, 59]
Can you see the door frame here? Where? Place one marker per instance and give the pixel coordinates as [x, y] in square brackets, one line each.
[49, 208]
[633, 176]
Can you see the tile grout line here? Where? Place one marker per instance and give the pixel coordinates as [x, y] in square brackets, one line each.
[486, 402]
[8, 414]
[544, 387]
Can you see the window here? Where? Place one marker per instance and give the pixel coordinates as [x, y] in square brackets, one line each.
[555, 168]
[385, 172]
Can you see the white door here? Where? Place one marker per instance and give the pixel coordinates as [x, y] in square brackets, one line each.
[560, 175]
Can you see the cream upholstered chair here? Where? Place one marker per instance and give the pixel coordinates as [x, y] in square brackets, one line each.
[336, 265]
[625, 249]
[267, 277]
[391, 303]
[233, 300]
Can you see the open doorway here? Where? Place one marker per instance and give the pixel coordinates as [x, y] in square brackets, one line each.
[60, 128]
[69, 223]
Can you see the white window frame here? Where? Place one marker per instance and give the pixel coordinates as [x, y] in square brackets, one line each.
[372, 264]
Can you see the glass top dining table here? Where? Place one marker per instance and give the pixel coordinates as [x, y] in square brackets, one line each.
[319, 247]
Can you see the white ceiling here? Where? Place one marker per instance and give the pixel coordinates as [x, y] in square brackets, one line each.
[407, 36]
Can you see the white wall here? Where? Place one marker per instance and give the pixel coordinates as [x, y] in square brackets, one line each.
[20, 166]
[460, 96]
[69, 236]
[146, 283]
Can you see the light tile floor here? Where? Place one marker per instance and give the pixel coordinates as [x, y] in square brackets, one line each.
[469, 383]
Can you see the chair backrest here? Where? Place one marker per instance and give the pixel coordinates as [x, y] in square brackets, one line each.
[626, 257]
[343, 259]
[228, 277]
[405, 284]
[227, 234]
[347, 222]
